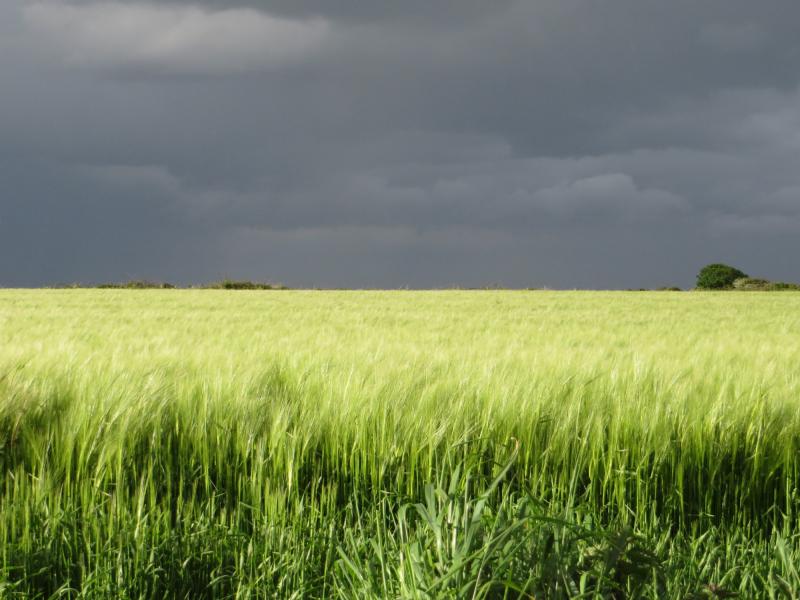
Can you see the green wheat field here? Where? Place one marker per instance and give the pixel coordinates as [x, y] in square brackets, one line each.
[442, 444]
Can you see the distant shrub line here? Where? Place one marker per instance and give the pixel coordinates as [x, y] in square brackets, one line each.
[718, 276]
[229, 284]
[763, 285]
[225, 284]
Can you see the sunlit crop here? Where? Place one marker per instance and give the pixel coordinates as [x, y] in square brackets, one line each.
[449, 444]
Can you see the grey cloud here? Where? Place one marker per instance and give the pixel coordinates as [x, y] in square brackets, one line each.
[443, 13]
[562, 142]
[785, 200]
[609, 192]
[758, 224]
[170, 38]
[734, 37]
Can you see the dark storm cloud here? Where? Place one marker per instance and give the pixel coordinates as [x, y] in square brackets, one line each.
[560, 142]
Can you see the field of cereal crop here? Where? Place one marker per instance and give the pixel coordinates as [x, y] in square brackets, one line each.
[441, 444]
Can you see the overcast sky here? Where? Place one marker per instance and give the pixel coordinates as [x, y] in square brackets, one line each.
[422, 143]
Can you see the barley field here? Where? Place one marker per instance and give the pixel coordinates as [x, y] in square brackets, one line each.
[399, 444]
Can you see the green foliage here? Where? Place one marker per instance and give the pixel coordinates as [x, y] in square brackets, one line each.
[781, 286]
[187, 444]
[225, 284]
[763, 285]
[137, 285]
[718, 277]
[751, 283]
[493, 544]
[229, 284]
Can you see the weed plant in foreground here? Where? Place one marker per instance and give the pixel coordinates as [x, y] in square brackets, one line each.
[459, 444]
